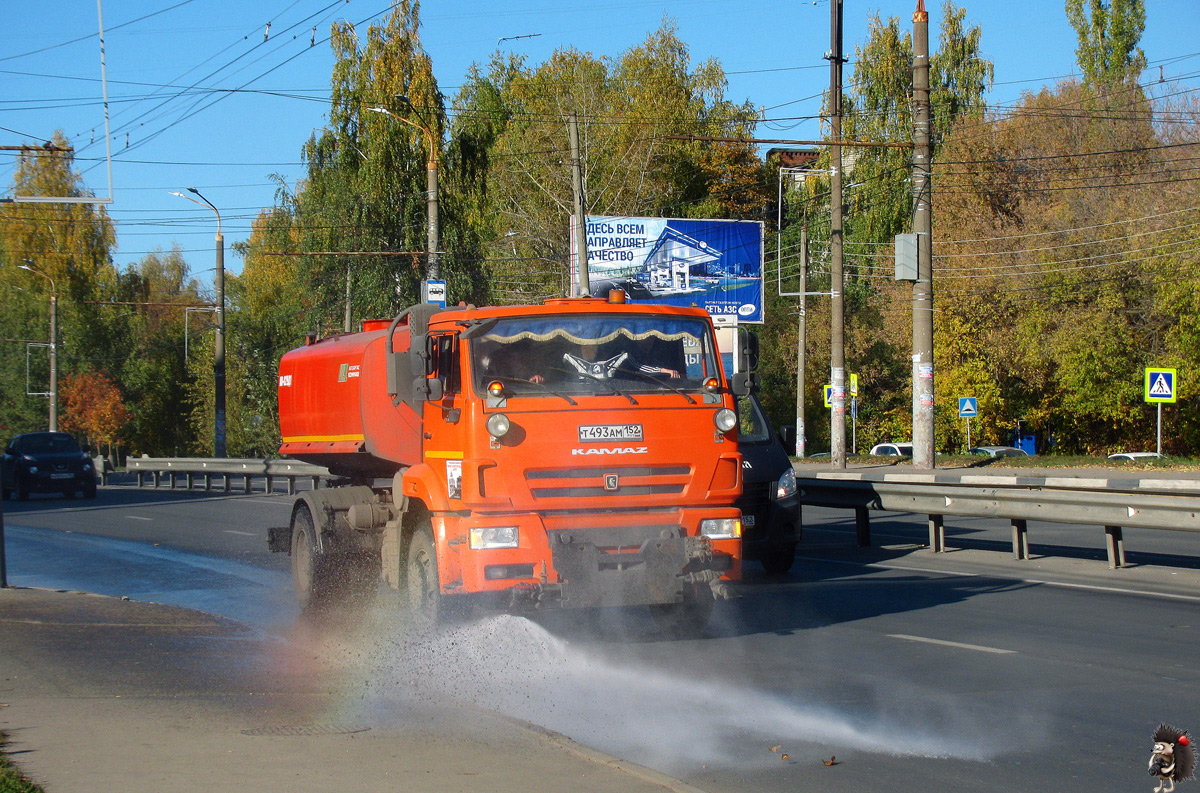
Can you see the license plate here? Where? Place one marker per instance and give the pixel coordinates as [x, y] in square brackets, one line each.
[748, 521]
[62, 476]
[591, 433]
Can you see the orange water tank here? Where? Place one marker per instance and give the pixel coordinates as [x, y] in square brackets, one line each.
[334, 409]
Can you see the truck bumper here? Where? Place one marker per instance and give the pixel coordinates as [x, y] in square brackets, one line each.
[586, 562]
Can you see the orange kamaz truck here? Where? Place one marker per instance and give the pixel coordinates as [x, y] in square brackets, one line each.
[577, 454]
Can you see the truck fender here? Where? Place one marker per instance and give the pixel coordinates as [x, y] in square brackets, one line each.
[422, 483]
[328, 509]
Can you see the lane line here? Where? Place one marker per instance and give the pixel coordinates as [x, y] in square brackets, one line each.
[136, 517]
[960, 645]
[1010, 577]
[243, 533]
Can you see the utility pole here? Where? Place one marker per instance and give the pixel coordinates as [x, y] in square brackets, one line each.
[801, 340]
[346, 323]
[581, 258]
[837, 341]
[219, 344]
[28, 265]
[433, 271]
[923, 435]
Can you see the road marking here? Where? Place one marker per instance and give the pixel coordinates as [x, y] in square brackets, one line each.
[1009, 576]
[944, 643]
[137, 517]
[243, 533]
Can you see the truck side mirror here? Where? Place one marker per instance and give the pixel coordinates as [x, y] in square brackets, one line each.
[747, 350]
[744, 383]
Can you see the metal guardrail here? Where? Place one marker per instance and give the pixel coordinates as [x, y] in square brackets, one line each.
[193, 468]
[1112, 502]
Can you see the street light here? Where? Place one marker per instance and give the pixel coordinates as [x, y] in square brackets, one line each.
[53, 343]
[219, 351]
[432, 271]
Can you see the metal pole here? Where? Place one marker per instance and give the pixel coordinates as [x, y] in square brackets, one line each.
[219, 347]
[837, 421]
[581, 257]
[923, 434]
[3, 560]
[219, 351]
[1158, 441]
[53, 359]
[801, 340]
[346, 322]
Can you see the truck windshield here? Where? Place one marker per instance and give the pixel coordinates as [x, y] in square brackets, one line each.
[594, 354]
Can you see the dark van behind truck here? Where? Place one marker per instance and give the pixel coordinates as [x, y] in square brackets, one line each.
[770, 503]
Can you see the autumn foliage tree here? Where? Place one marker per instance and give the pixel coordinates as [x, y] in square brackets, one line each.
[92, 404]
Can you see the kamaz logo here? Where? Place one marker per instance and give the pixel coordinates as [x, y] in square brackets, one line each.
[617, 450]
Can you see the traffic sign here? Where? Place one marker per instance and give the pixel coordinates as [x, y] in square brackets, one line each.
[1160, 385]
[828, 395]
[968, 408]
[853, 385]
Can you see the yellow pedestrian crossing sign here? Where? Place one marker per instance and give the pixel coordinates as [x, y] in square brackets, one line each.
[1160, 385]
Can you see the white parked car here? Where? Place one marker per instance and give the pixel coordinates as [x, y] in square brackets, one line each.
[998, 451]
[1135, 456]
[892, 450]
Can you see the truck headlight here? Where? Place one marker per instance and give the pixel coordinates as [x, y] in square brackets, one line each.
[721, 528]
[725, 419]
[498, 425]
[786, 486]
[494, 537]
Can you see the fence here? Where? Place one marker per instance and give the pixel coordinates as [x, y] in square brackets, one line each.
[1111, 502]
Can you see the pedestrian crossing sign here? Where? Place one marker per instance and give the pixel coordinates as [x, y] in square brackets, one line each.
[1160, 385]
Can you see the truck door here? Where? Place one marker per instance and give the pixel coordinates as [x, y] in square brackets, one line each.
[443, 418]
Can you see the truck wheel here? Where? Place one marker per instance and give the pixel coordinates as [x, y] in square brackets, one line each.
[310, 575]
[687, 619]
[780, 560]
[425, 599]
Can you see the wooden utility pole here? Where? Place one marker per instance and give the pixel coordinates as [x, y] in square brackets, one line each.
[581, 258]
[837, 341]
[923, 435]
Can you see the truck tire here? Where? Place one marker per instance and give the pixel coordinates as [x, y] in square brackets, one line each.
[687, 619]
[779, 561]
[310, 567]
[425, 600]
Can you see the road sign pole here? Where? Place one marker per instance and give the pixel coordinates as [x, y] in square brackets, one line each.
[968, 432]
[1158, 441]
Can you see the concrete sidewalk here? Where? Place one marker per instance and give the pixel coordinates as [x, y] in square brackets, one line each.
[103, 695]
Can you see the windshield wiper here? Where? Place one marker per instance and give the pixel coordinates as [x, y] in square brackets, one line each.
[547, 389]
[655, 380]
[599, 380]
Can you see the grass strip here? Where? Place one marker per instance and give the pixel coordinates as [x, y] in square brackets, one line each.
[11, 778]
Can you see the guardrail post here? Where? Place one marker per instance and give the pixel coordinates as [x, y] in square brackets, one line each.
[247, 483]
[141, 479]
[862, 526]
[937, 534]
[1020, 539]
[157, 477]
[1114, 541]
[270, 484]
[316, 483]
[291, 485]
[225, 481]
[207, 482]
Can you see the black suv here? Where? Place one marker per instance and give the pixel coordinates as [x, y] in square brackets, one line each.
[770, 503]
[47, 462]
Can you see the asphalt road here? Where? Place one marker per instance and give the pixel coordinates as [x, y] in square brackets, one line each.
[966, 670]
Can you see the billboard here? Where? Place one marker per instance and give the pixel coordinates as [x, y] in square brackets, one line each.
[715, 264]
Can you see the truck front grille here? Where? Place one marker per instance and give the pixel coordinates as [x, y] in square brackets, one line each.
[608, 482]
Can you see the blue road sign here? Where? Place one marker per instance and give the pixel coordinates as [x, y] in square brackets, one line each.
[968, 408]
[1160, 385]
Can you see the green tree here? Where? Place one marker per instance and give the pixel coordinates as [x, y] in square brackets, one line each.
[1109, 32]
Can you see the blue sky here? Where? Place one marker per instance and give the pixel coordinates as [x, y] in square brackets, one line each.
[227, 143]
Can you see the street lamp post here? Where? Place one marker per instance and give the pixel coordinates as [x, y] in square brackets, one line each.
[53, 344]
[432, 270]
[219, 347]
